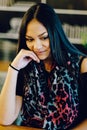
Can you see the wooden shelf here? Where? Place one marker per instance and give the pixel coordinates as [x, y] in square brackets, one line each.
[71, 12]
[13, 36]
[13, 8]
[59, 11]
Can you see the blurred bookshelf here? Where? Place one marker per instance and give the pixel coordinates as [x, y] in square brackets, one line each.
[73, 17]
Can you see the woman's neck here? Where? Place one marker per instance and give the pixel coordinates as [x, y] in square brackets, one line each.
[48, 64]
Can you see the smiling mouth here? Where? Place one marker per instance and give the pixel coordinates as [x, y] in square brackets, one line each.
[40, 52]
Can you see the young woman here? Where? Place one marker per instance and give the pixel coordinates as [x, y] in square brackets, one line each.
[47, 79]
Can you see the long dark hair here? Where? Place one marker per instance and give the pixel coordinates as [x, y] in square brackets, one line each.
[59, 43]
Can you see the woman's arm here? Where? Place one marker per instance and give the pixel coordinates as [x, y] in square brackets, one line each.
[82, 126]
[10, 104]
[84, 66]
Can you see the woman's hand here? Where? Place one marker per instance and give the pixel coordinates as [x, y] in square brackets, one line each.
[23, 58]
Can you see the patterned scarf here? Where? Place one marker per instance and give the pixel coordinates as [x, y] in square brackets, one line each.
[51, 98]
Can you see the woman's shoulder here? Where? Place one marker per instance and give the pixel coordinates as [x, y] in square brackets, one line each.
[83, 65]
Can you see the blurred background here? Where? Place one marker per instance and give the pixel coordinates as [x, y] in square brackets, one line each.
[72, 13]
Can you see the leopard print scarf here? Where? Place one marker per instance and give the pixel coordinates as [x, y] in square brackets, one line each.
[51, 99]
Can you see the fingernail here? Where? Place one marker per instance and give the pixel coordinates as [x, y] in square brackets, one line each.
[38, 61]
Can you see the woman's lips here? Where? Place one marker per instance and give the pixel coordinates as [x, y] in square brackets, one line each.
[40, 52]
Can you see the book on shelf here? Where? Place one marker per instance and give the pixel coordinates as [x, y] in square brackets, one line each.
[75, 31]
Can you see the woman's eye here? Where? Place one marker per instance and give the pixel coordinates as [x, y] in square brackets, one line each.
[44, 38]
[29, 39]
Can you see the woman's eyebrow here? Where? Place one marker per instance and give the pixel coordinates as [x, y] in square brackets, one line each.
[38, 35]
[28, 36]
[42, 34]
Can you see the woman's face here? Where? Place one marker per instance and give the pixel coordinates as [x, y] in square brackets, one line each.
[37, 39]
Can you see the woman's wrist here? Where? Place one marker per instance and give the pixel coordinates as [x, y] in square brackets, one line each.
[13, 67]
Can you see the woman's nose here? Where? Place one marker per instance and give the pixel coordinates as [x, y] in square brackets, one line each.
[37, 44]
